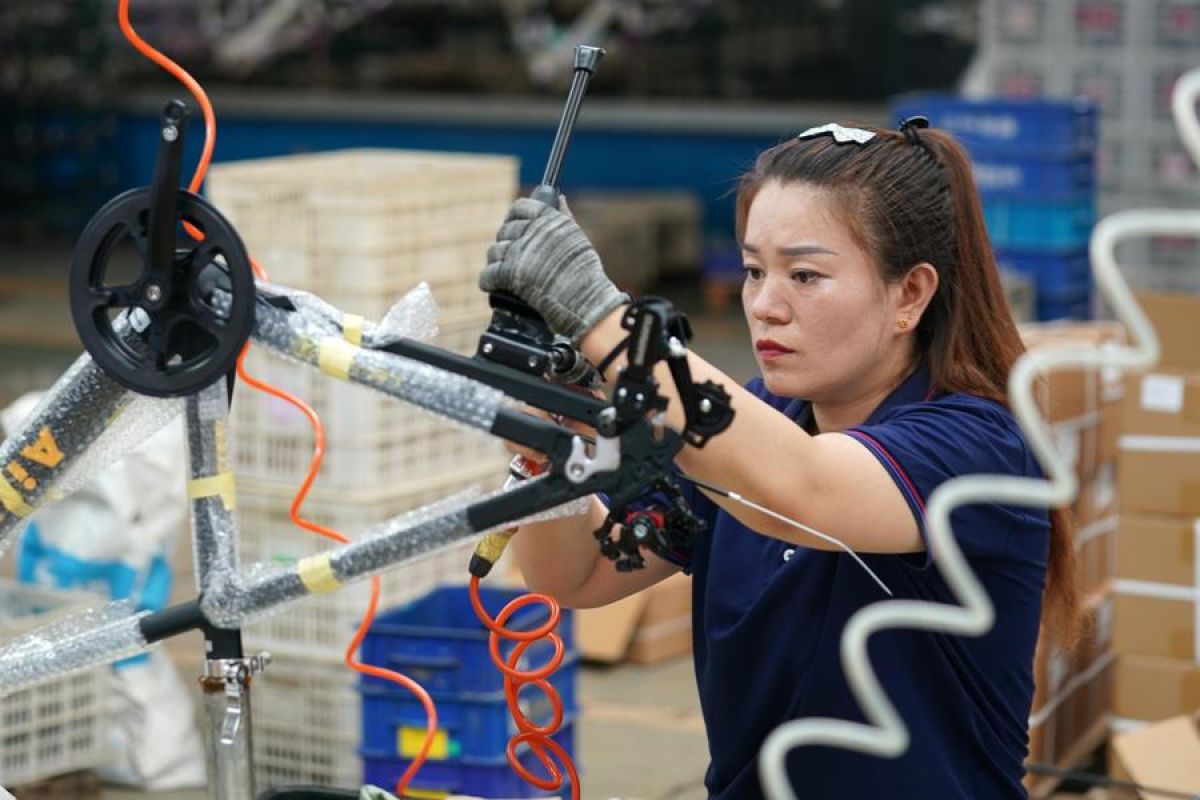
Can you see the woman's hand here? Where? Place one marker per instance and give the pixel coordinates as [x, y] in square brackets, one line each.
[538, 458]
[543, 257]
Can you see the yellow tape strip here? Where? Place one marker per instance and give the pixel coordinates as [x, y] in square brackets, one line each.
[219, 485]
[409, 742]
[426, 794]
[11, 499]
[352, 329]
[335, 357]
[316, 573]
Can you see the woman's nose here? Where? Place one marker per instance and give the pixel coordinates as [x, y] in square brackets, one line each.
[765, 302]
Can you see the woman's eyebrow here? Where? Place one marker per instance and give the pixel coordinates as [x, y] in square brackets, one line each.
[794, 250]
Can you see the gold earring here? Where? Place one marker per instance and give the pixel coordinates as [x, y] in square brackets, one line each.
[903, 324]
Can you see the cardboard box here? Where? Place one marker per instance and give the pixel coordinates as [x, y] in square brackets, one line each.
[1097, 498]
[1149, 688]
[1174, 318]
[1161, 402]
[1071, 690]
[1109, 433]
[1159, 475]
[1158, 548]
[665, 628]
[1094, 556]
[1095, 515]
[1069, 394]
[647, 627]
[1165, 755]
[1154, 626]
[1065, 727]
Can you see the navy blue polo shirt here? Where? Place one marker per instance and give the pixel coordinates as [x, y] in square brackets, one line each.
[768, 619]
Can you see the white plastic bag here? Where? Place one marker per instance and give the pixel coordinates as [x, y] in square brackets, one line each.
[114, 535]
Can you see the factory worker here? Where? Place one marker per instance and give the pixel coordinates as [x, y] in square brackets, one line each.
[884, 343]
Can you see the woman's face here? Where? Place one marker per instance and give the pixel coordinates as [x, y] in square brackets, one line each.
[820, 317]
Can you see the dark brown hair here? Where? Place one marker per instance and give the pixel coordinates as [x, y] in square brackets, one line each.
[909, 199]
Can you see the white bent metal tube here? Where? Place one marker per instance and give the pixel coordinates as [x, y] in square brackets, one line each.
[886, 734]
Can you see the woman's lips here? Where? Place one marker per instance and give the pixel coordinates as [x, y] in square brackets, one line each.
[769, 349]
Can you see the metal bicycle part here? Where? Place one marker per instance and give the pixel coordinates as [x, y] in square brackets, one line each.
[517, 335]
[187, 343]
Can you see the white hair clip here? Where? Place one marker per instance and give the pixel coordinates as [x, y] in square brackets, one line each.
[840, 135]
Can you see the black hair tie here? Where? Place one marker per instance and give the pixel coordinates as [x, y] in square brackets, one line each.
[909, 127]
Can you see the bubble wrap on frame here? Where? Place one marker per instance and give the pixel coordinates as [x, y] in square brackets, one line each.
[214, 539]
[451, 396]
[414, 316]
[231, 600]
[67, 422]
[140, 419]
[96, 636]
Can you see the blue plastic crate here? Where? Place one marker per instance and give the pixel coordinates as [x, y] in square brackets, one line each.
[1005, 127]
[1075, 303]
[1033, 178]
[723, 264]
[1054, 224]
[483, 777]
[476, 725]
[439, 642]
[1050, 272]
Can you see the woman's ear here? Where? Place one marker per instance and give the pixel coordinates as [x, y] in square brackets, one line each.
[916, 291]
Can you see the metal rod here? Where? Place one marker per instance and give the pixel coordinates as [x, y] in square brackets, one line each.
[586, 60]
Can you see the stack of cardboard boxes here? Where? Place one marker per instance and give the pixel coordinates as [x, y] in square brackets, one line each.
[1073, 692]
[1157, 625]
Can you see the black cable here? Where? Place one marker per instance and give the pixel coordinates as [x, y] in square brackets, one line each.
[1104, 780]
[607, 361]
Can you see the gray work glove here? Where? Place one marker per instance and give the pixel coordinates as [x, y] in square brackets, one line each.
[542, 257]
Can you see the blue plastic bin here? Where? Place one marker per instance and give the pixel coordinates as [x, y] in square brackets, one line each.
[1073, 303]
[723, 263]
[1033, 177]
[1008, 127]
[439, 642]
[1050, 272]
[484, 777]
[477, 725]
[1054, 224]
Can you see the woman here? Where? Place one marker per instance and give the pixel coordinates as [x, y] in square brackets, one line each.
[885, 343]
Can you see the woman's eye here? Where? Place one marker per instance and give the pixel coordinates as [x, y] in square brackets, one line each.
[752, 273]
[805, 276]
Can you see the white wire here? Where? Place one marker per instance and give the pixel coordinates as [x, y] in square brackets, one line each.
[795, 524]
[886, 734]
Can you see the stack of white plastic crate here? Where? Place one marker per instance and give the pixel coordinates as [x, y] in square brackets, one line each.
[360, 229]
[61, 725]
[1126, 56]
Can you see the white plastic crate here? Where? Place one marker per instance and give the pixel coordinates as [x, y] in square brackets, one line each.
[310, 695]
[372, 441]
[321, 627]
[286, 755]
[361, 227]
[1177, 24]
[59, 726]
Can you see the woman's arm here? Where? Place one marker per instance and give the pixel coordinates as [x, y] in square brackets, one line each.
[829, 482]
[560, 557]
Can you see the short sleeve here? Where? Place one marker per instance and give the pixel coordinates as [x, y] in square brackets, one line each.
[925, 444]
